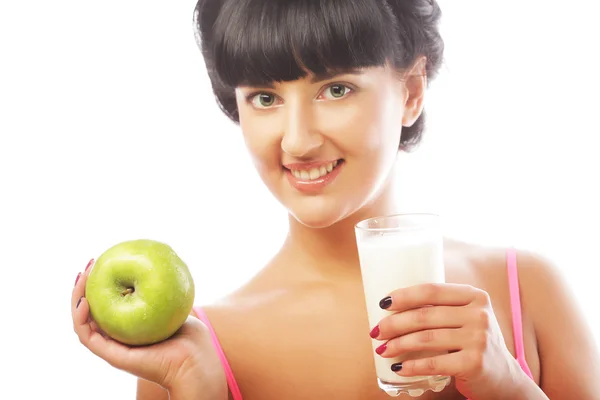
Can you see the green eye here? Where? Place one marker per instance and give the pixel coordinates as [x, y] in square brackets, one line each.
[263, 100]
[338, 91]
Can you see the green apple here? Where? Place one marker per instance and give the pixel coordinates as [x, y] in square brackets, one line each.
[140, 292]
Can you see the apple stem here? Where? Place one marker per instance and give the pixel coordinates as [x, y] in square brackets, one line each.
[127, 291]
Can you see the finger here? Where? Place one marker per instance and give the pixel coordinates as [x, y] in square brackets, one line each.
[429, 340]
[79, 289]
[434, 317]
[429, 294]
[448, 364]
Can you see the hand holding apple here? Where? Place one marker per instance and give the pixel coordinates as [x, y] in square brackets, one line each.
[158, 283]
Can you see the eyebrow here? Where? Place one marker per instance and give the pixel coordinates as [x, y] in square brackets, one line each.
[322, 76]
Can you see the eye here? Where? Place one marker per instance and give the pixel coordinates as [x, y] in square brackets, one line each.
[337, 91]
[262, 100]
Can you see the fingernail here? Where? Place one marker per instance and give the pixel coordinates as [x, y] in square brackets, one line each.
[375, 332]
[78, 302]
[396, 367]
[89, 264]
[77, 279]
[381, 349]
[385, 303]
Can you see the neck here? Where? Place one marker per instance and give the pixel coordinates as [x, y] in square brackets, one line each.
[333, 249]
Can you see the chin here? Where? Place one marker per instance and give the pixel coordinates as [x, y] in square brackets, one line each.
[315, 221]
[340, 203]
[319, 216]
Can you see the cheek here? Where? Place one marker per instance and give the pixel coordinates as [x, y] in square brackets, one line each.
[364, 128]
[263, 143]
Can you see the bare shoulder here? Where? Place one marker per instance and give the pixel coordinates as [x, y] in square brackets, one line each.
[541, 281]
[481, 266]
[569, 358]
[543, 287]
[571, 370]
[487, 266]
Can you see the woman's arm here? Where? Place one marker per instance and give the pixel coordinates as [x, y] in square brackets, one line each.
[152, 391]
[147, 390]
[569, 354]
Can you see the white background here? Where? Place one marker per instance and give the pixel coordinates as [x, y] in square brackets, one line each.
[109, 131]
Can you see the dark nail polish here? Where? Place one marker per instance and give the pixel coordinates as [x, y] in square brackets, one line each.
[375, 332]
[89, 264]
[381, 349]
[396, 367]
[78, 302]
[385, 303]
[77, 279]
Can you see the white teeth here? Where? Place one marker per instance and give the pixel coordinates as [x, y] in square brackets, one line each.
[314, 173]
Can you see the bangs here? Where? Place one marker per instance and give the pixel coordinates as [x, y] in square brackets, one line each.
[257, 42]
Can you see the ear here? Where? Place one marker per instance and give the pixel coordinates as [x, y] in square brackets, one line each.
[415, 82]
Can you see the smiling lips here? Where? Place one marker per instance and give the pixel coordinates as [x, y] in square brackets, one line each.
[312, 177]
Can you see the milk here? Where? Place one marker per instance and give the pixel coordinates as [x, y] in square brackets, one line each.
[393, 260]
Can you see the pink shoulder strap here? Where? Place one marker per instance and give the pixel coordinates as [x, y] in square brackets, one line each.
[231, 382]
[515, 304]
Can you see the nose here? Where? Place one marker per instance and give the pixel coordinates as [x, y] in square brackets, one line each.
[300, 139]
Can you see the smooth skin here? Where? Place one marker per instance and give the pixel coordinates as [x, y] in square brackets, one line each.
[303, 317]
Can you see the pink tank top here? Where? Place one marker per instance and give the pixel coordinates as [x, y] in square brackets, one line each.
[515, 303]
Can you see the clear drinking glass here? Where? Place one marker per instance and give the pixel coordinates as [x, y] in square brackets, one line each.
[395, 252]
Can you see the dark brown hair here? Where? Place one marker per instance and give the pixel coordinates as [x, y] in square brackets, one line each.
[255, 42]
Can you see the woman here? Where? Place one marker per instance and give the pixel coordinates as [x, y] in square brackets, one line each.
[328, 94]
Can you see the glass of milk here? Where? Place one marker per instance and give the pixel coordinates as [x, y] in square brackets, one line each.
[395, 252]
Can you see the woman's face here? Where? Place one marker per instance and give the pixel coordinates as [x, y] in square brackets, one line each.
[325, 146]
